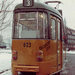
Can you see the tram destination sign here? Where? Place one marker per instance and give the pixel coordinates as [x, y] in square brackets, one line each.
[28, 3]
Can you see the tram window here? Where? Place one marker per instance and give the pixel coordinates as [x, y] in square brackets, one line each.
[58, 30]
[27, 15]
[25, 25]
[29, 25]
[15, 27]
[46, 26]
[43, 25]
[15, 32]
[40, 24]
[53, 33]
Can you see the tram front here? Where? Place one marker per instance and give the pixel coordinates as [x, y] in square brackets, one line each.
[30, 31]
[35, 45]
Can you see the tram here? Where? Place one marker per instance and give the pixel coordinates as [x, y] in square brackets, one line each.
[36, 39]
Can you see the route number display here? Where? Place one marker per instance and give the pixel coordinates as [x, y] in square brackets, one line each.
[28, 3]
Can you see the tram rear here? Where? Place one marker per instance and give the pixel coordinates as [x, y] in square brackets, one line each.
[36, 43]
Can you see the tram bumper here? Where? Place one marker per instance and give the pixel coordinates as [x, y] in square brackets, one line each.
[27, 68]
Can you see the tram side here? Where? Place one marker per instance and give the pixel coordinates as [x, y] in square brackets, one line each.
[37, 40]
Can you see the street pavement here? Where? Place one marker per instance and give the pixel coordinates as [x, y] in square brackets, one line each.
[69, 65]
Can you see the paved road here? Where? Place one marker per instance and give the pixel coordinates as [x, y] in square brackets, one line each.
[69, 66]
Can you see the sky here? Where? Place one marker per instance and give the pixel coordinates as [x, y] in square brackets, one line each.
[68, 11]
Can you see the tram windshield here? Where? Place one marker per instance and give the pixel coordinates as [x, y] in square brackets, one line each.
[30, 25]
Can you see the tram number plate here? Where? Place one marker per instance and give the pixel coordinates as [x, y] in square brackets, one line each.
[27, 3]
[27, 44]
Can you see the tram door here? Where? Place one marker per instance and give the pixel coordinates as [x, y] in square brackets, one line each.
[53, 38]
[55, 42]
[59, 53]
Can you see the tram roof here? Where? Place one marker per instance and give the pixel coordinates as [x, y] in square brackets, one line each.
[39, 5]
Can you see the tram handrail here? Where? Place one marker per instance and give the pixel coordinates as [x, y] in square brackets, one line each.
[53, 2]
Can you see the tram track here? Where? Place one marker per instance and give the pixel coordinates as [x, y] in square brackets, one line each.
[4, 71]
